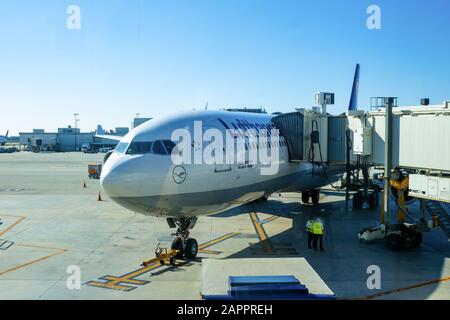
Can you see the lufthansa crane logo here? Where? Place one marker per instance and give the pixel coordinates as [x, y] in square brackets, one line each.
[179, 174]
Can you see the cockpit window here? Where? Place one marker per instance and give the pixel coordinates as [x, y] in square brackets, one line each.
[169, 145]
[121, 147]
[139, 148]
[162, 147]
[158, 148]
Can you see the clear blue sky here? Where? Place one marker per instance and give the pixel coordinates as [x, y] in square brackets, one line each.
[159, 57]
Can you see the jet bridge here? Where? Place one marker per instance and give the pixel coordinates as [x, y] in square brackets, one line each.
[304, 130]
[419, 147]
[420, 137]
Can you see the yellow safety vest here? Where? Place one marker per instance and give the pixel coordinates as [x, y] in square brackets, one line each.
[318, 228]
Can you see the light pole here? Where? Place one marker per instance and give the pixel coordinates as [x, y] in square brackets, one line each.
[75, 115]
[136, 117]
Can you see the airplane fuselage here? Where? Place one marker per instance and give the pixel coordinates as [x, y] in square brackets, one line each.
[147, 180]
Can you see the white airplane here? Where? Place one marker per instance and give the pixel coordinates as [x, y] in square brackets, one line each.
[4, 138]
[141, 176]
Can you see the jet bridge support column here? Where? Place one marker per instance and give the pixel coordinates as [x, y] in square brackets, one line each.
[347, 168]
[422, 210]
[387, 158]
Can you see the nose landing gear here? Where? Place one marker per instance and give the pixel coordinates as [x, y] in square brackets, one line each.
[188, 247]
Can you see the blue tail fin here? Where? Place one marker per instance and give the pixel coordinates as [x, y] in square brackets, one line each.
[100, 130]
[354, 98]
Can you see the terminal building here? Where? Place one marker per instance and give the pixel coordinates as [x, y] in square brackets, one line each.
[72, 139]
[139, 121]
[68, 139]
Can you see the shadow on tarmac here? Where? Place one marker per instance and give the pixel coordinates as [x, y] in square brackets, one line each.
[343, 265]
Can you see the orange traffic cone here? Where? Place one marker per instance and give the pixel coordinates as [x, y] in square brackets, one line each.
[84, 184]
[99, 198]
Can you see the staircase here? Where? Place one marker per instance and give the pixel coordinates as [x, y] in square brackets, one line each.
[267, 288]
[442, 211]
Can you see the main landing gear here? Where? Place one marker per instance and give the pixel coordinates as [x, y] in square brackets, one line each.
[313, 194]
[188, 247]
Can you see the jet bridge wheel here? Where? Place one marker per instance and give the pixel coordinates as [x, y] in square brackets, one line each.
[372, 200]
[395, 242]
[417, 240]
[358, 200]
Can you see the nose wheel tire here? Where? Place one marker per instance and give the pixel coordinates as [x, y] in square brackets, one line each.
[177, 244]
[187, 247]
[191, 248]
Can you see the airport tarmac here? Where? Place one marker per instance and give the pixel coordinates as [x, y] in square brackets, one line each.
[52, 223]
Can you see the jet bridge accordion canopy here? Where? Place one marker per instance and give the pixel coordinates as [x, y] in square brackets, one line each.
[306, 134]
[291, 126]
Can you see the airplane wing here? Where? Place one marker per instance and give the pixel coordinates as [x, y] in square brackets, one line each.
[109, 137]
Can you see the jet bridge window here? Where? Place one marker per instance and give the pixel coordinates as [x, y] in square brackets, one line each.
[121, 147]
[139, 147]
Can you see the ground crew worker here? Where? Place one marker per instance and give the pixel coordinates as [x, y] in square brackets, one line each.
[309, 230]
[318, 234]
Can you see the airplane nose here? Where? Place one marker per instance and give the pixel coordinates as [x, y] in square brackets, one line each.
[110, 183]
[120, 180]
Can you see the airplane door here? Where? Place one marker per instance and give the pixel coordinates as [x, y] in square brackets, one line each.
[222, 167]
[218, 167]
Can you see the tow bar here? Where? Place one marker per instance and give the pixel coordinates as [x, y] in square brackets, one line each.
[162, 255]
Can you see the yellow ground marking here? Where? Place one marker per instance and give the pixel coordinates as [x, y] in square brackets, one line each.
[267, 247]
[270, 219]
[125, 282]
[209, 251]
[26, 264]
[19, 220]
[131, 281]
[202, 247]
[262, 235]
[414, 286]
[110, 286]
[40, 247]
[115, 282]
